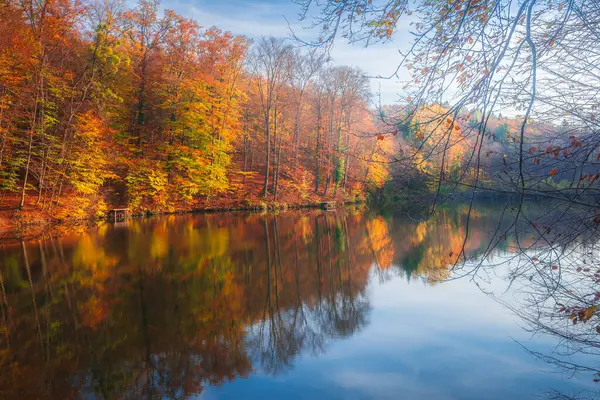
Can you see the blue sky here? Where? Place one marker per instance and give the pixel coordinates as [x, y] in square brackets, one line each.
[254, 18]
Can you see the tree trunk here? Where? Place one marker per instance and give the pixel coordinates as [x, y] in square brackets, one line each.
[278, 167]
[140, 117]
[268, 155]
[29, 150]
[42, 175]
[278, 156]
[245, 169]
[246, 144]
[24, 187]
[4, 134]
[297, 129]
[318, 151]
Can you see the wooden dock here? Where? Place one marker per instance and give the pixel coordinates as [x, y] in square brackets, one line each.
[119, 214]
[328, 205]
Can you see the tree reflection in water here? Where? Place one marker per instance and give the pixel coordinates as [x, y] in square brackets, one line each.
[169, 306]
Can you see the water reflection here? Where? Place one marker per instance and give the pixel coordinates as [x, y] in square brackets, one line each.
[171, 305]
[168, 307]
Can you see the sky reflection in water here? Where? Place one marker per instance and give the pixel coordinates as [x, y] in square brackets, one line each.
[448, 341]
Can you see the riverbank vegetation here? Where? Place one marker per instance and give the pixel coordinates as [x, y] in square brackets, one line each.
[104, 106]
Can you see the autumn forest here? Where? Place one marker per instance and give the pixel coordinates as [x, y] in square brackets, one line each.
[103, 106]
[108, 107]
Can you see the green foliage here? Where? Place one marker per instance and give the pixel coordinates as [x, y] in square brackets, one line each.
[501, 132]
[339, 170]
[395, 196]
[147, 186]
[9, 174]
[407, 130]
[549, 183]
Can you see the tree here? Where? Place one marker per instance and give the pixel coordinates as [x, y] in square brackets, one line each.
[176, 113]
[306, 65]
[270, 61]
[146, 33]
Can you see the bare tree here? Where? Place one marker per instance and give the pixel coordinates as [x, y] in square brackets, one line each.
[270, 60]
[319, 99]
[306, 65]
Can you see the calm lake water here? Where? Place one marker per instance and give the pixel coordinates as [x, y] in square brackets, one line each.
[299, 305]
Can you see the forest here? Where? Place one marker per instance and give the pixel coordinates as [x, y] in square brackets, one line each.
[103, 106]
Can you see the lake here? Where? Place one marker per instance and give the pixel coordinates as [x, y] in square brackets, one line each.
[310, 304]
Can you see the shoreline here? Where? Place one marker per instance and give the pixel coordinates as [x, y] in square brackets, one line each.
[45, 227]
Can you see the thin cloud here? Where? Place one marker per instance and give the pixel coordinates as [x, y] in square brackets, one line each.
[257, 18]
